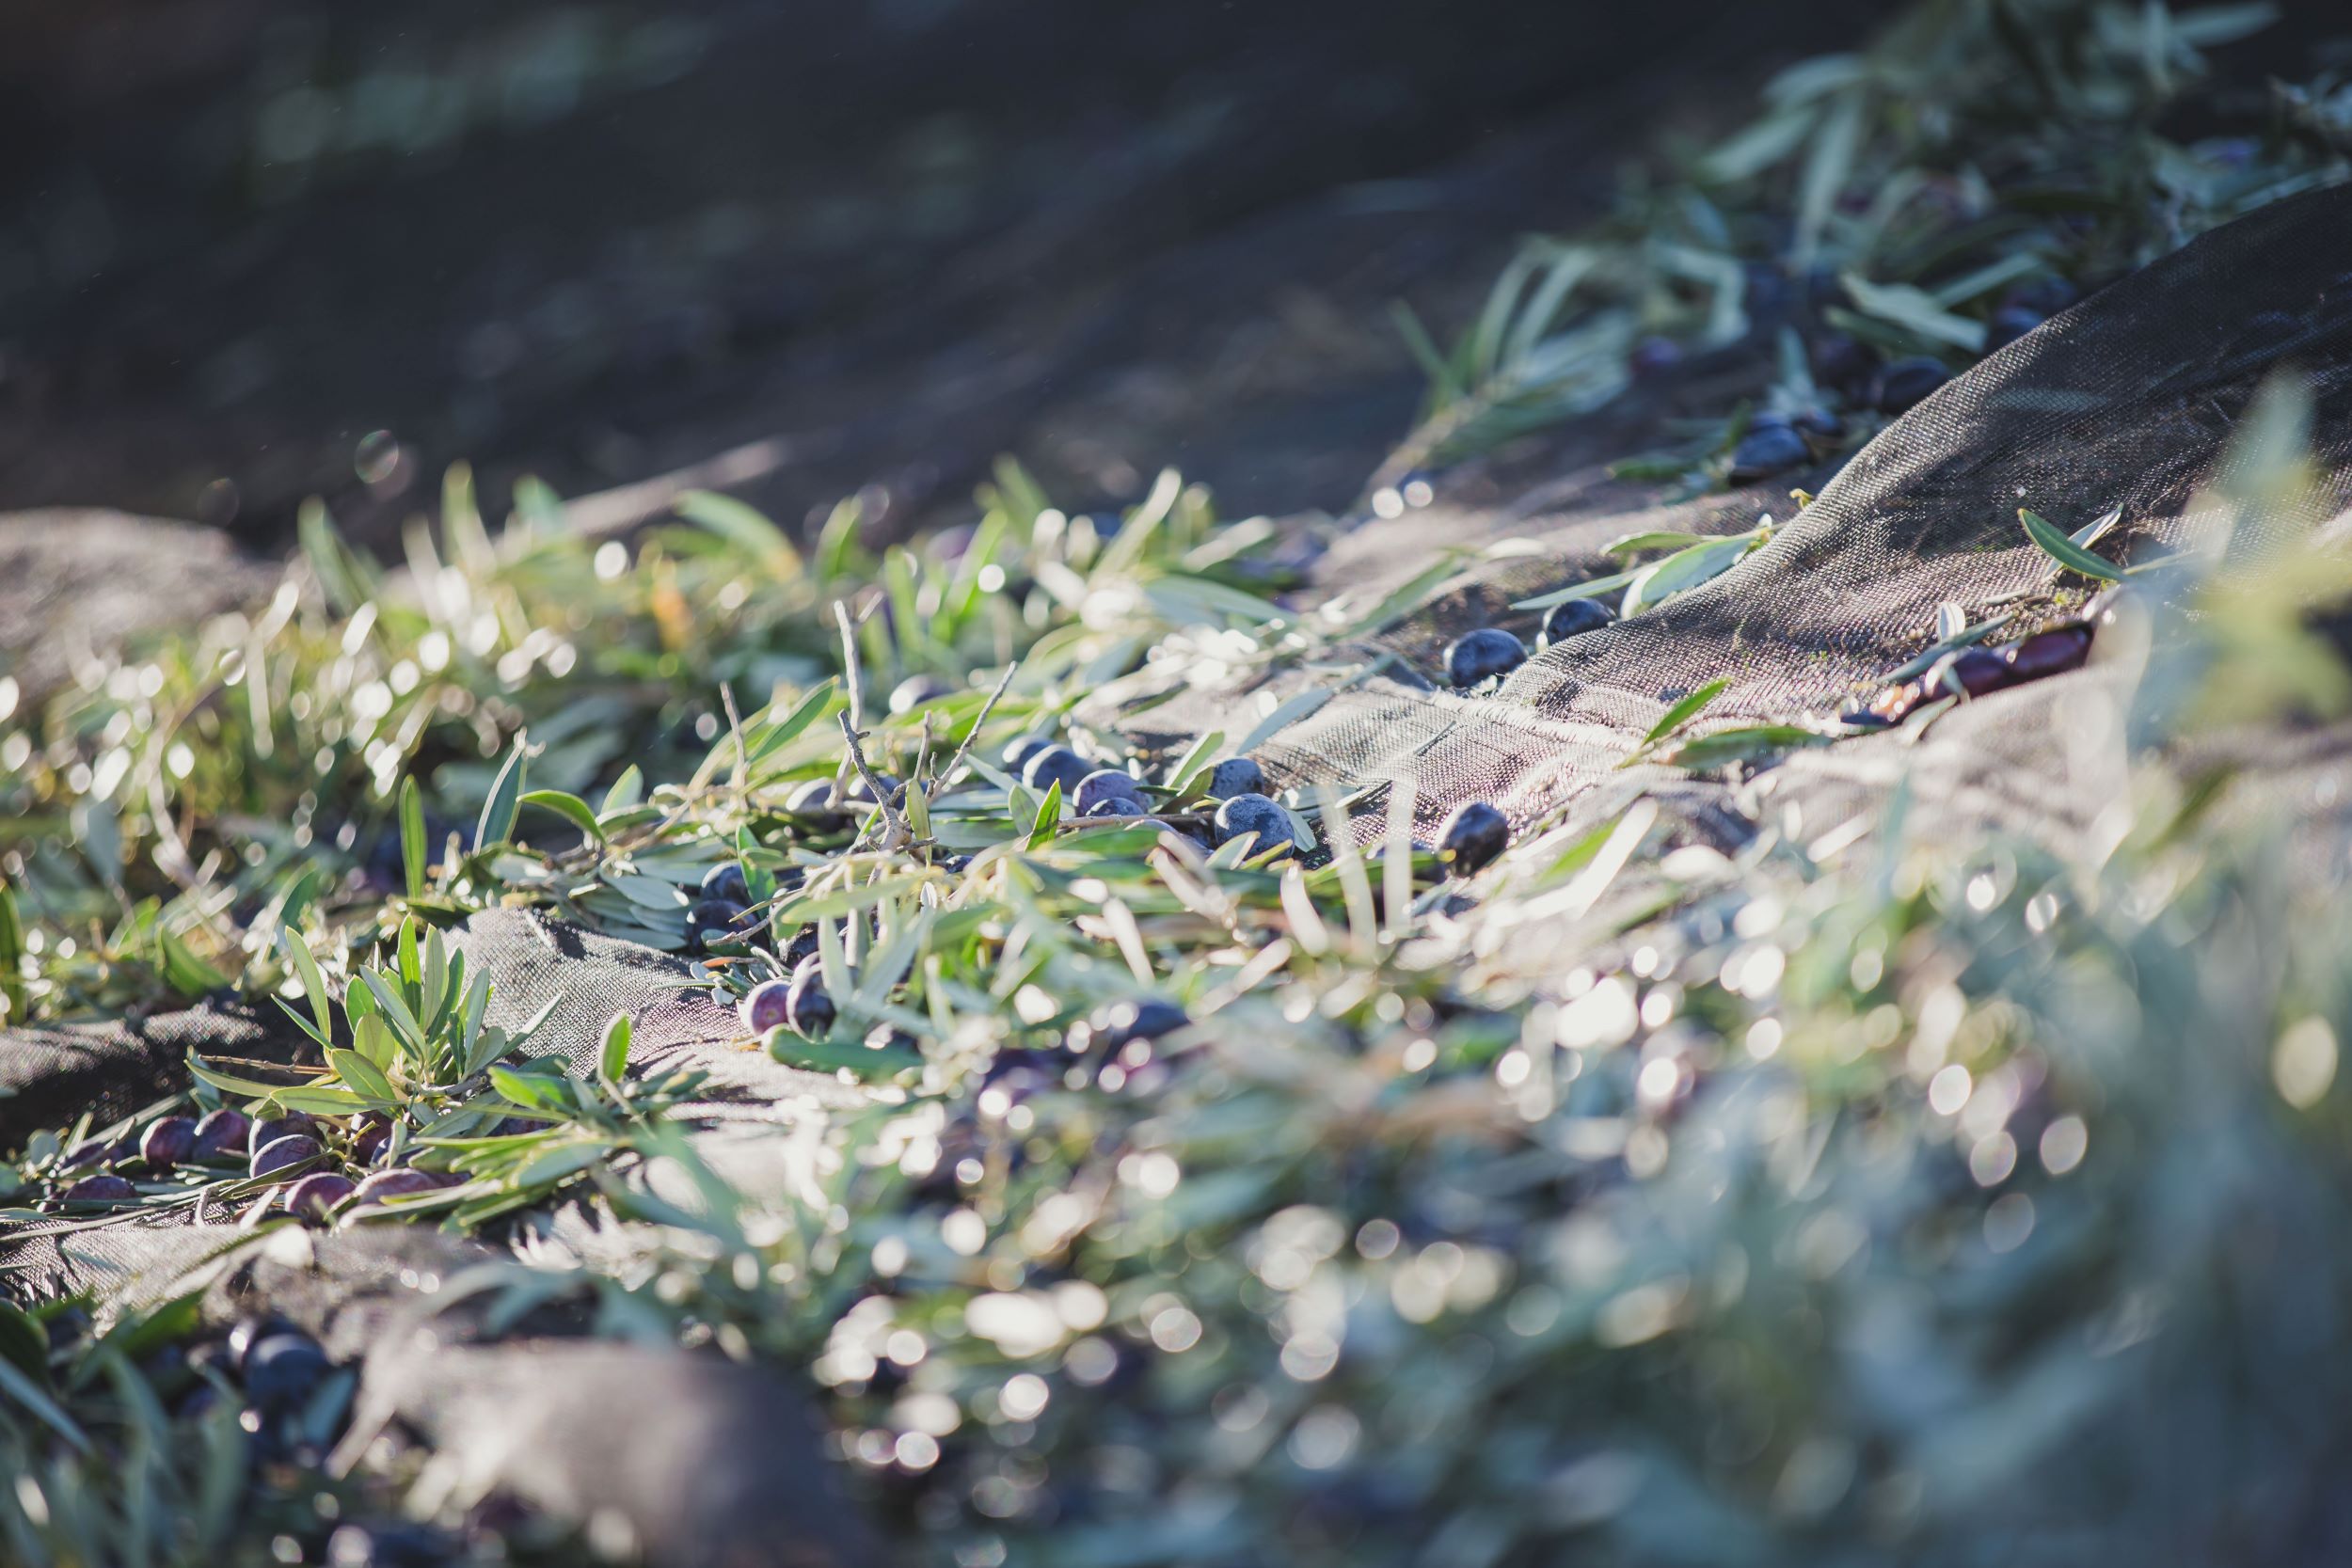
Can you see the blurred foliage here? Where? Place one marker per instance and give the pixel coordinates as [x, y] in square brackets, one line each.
[1977, 153]
[1889, 1197]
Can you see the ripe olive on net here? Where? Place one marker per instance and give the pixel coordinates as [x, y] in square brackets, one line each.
[2049, 653]
[1770, 446]
[1016, 755]
[267, 1132]
[807, 1006]
[221, 1131]
[167, 1142]
[1482, 656]
[1473, 837]
[1107, 785]
[1574, 618]
[1908, 383]
[765, 1006]
[1259, 815]
[283, 1152]
[314, 1196]
[1235, 776]
[1055, 764]
[715, 920]
[726, 880]
[99, 1189]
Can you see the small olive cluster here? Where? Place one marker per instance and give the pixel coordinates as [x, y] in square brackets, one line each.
[1476, 658]
[284, 1150]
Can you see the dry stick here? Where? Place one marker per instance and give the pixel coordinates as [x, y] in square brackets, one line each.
[899, 835]
[852, 677]
[735, 729]
[946, 775]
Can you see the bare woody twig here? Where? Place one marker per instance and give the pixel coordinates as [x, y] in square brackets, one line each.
[946, 775]
[898, 835]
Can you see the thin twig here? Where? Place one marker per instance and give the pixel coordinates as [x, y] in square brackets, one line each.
[899, 835]
[946, 775]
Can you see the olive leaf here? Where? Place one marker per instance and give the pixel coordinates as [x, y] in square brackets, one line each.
[414, 851]
[2063, 550]
[497, 813]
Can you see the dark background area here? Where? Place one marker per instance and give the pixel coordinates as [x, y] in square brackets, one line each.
[796, 249]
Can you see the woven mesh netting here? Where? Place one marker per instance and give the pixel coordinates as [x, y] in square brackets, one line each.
[2125, 402]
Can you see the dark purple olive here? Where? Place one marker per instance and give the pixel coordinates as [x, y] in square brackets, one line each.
[726, 880]
[1473, 837]
[99, 1189]
[1771, 445]
[314, 1196]
[293, 1124]
[1482, 656]
[282, 1370]
[1108, 786]
[1573, 618]
[1016, 755]
[1055, 764]
[224, 1132]
[764, 1006]
[1259, 815]
[2049, 653]
[2009, 323]
[915, 691]
[1974, 670]
[1908, 383]
[369, 1145]
[280, 1154]
[1843, 362]
[90, 1151]
[1118, 805]
[1235, 776]
[715, 920]
[167, 1142]
[806, 1006]
[400, 1182]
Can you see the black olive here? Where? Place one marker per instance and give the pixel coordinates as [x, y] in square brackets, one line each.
[1473, 837]
[1769, 447]
[1236, 776]
[1055, 764]
[807, 1006]
[1255, 814]
[1908, 383]
[714, 920]
[726, 880]
[2010, 322]
[1482, 655]
[282, 1370]
[1574, 618]
[1108, 787]
[1843, 362]
[1016, 755]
